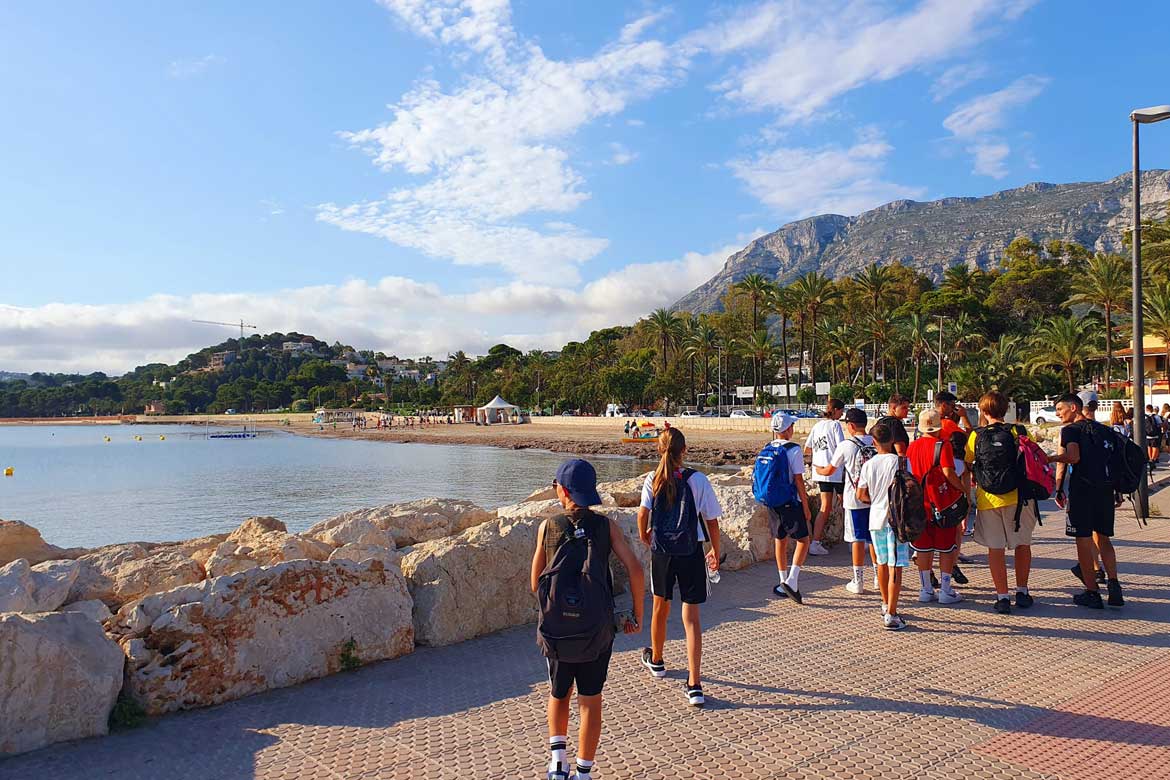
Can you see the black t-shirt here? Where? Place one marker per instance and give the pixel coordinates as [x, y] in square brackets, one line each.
[1091, 472]
[896, 426]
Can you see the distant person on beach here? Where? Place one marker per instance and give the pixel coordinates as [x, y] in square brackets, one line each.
[678, 513]
[778, 484]
[572, 559]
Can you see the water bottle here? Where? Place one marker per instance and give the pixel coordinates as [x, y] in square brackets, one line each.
[713, 575]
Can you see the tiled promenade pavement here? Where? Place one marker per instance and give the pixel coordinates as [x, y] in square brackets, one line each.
[819, 691]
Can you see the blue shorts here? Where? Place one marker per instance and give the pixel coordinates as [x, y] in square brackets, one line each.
[888, 550]
[857, 527]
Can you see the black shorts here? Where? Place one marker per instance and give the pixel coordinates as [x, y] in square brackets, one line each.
[832, 487]
[588, 676]
[1089, 512]
[689, 571]
[787, 522]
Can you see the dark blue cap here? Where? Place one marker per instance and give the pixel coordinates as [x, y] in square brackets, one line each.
[579, 478]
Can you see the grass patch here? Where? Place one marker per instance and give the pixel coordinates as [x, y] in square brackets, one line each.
[349, 658]
[127, 714]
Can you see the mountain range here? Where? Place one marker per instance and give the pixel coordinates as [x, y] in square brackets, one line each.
[935, 235]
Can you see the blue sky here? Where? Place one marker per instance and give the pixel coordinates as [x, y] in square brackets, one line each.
[421, 176]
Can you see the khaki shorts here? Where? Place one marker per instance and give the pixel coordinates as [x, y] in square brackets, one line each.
[996, 528]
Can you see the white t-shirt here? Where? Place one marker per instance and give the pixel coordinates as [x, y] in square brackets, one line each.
[847, 461]
[706, 503]
[823, 440]
[877, 475]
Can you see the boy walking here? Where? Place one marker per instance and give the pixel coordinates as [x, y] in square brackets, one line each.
[778, 484]
[848, 458]
[873, 488]
[579, 655]
[821, 443]
[932, 461]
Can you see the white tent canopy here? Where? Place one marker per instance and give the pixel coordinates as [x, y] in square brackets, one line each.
[498, 411]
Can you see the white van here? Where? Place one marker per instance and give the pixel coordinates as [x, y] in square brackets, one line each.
[615, 410]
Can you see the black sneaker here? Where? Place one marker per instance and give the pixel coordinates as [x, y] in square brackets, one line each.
[779, 591]
[1090, 599]
[792, 593]
[958, 576]
[1115, 598]
[1003, 606]
[695, 695]
[1024, 600]
[1100, 576]
[657, 668]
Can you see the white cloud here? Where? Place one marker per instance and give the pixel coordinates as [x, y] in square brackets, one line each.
[802, 181]
[809, 53]
[976, 121]
[955, 78]
[621, 155]
[394, 314]
[635, 123]
[185, 69]
[490, 148]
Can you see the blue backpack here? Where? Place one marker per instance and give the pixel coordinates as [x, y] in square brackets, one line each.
[772, 479]
[674, 527]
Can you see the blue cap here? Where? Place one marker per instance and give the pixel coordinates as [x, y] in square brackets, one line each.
[579, 478]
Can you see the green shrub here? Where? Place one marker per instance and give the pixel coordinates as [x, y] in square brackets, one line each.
[349, 657]
[127, 713]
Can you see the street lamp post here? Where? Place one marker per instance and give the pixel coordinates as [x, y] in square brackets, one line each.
[1142, 116]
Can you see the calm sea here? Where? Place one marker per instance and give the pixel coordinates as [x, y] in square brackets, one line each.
[81, 491]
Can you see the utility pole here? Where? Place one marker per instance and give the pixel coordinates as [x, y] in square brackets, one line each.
[719, 375]
[939, 389]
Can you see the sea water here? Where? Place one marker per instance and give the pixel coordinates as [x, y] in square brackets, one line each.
[81, 491]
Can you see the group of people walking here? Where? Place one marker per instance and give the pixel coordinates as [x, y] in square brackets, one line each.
[874, 470]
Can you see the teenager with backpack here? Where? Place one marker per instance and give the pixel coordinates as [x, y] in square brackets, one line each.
[1089, 404]
[570, 567]
[932, 461]
[849, 457]
[678, 513]
[874, 487]
[821, 443]
[899, 410]
[1153, 432]
[955, 429]
[778, 485]
[1090, 448]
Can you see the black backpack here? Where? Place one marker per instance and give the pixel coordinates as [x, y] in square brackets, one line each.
[997, 459]
[907, 508]
[1153, 427]
[674, 527]
[1125, 462]
[1129, 464]
[575, 592]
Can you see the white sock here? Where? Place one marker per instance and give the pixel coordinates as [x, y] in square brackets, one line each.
[584, 767]
[858, 573]
[1022, 589]
[794, 577]
[556, 746]
[783, 575]
[945, 582]
[924, 576]
[1001, 596]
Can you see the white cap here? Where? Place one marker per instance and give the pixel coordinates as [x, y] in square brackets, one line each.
[781, 421]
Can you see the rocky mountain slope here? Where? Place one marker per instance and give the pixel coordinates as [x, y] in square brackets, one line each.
[935, 235]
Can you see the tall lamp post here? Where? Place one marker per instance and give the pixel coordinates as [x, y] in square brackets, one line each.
[1142, 116]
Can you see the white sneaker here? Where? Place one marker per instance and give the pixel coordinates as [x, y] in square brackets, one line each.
[949, 597]
[816, 548]
[926, 595]
[855, 586]
[894, 622]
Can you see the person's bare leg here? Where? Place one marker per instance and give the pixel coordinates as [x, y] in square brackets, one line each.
[895, 589]
[801, 554]
[884, 583]
[823, 515]
[997, 565]
[946, 562]
[694, 630]
[558, 715]
[1086, 552]
[590, 732]
[1023, 564]
[658, 617]
[782, 554]
[1108, 555]
[925, 560]
[857, 549]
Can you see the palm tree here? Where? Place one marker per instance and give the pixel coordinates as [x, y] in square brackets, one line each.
[876, 283]
[1104, 285]
[782, 301]
[460, 366]
[756, 288]
[843, 341]
[815, 291]
[962, 279]
[664, 325]
[688, 341]
[916, 330]
[1156, 310]
[761, 349]
[1003, 362]
[1064, 343]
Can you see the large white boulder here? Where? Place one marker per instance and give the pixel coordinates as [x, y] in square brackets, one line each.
[18, 540]
[262, 541]
[261, 629]
[59, 678]
[123, 573]
[367, 552]
[342, 530]
[420, 521]
[744, 534]
[40, 588]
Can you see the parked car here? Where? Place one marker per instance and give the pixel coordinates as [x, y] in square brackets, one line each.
[655, 414]
[710, 413]
[230, 411]
[689, 413]
[748, 413]
[1047, 414]
[568, 413]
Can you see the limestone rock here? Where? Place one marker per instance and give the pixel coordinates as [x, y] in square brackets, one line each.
[262, 541]
[744, 535]
[344, 530]
[18, 540]
[424, 520]
[473, 583]
[835, 525]
[40, 588]
[544, 508]
[16, 587]
[94, 609]
[626, 492]
[366, 552]
[117, 575]
[542, 494]
[626, 519]
[59, 678]
[261, 629]
[199, 550]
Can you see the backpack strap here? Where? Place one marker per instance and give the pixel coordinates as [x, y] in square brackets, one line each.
[857, 445]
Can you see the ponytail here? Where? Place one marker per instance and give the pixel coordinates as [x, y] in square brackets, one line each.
[671, 444]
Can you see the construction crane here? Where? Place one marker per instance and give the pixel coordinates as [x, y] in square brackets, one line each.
[241, 325]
